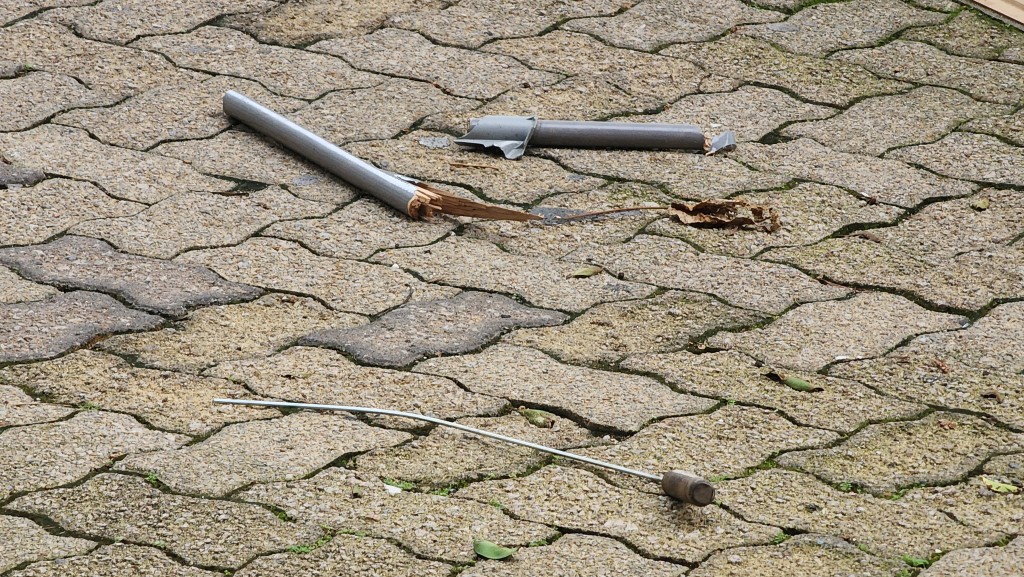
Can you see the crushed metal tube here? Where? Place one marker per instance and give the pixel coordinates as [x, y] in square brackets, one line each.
[409, 196]
[512, 134]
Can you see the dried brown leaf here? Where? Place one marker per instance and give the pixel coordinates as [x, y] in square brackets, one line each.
[720, 213]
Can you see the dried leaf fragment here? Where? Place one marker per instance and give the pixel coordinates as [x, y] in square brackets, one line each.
[980, 204]
[720, 213]
[586, 271]
[998, 486]
[538, 418]
[489, 550]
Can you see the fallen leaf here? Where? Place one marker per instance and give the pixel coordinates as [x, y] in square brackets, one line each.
[795, 383]
[942, 366]
[586, 271]
[994, 395]
[980, 204]
[948, 425]
[489, 550]
[538, 418]
[999, 487]
[725, 214]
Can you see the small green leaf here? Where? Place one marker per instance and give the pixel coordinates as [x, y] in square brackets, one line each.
[538, 418]
[489, 550]
[999, 487]
[915, 561]
[980, 204]
[586, 270]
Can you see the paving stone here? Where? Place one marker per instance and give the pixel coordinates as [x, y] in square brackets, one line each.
[674, 264]
[14, 289]
[457, 325]
[968, 282]
[602, 399]
[111, 72]
[52, 454]
[429, 525]
[813, 335]
[47, 328]
[884, 180]
[33, 214]
[876, 125]
[13, 176]
[347, 555]
[978, 562]
[938, 449]
[653, 24]
[824, 81]
[723, 443]
[12, 11]
[25, 541]
[180, 112]
[342, 284]
[359, 230]
[608, 332]
[17, 408]
[168, 400]
[578, 555]
[970, 157]
[655, 525]
[468, 73]
[522, 181]
[917, 62]
[247, 156]
[970, 34]
[473, 22]
[30, 99]
[1010, 127]
[843, 405]
[200, 531]
[300, 24]
[799, 556]
[314, 375]
[975, 505]
[229, 332]
[683, 174]
[169, 288]
[121, 21]
[285, 71]
[124, 174]
[193, 220]
[750, 111]
[942, 381]
[991, 343]
[1010, 467]
[291, 447]
[808, 213]
[543, 282]
[573, 54]
[824, 28]
[447, 457]
[889, 529]
[115, 560]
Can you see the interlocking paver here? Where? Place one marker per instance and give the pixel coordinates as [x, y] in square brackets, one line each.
[975, 505]
[824, 28]
[884, 180]
[52, 454]
[322, 376]
[350, 501]
[1009, 127]
[113, 561]
[12, 176]
[290, 447]
[17, 408]
[46, 328]
[674, 264]
[193, 220]
[12, 11]
[172, 401]
[608, 332]
[970, 34]
[1000, 82]
[347, 554]
[603, 399]
[655, 525]
[843, 405]
[457, 325]
[229, 332]
[886, 528]
[970, 157]
[803, 555]
[1009, 466]
[121, 21]
[285, 71]
[824, 81]
[652, 24]
[876, 125]
[447, 457]
[578, 555]
[978, 562]
[165, 113]
[34, 214]
[205, 532]
[14, 289]
[168, 288]
[34, 97]
[467, 73]
[25, 541]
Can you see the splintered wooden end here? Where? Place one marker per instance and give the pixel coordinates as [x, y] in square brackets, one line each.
[430, 200]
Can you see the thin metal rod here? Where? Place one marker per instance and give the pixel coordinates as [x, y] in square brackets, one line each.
[443, 423]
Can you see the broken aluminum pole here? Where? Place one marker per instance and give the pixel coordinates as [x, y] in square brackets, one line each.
[681, 485]
[414, 199]
[512, 134]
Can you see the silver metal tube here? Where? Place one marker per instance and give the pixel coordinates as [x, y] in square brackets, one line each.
[444, 423]
[616, 134]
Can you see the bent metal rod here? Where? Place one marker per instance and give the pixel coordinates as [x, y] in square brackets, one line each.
[680, 485]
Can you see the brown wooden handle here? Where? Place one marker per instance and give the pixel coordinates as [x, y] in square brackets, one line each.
[688, 488]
